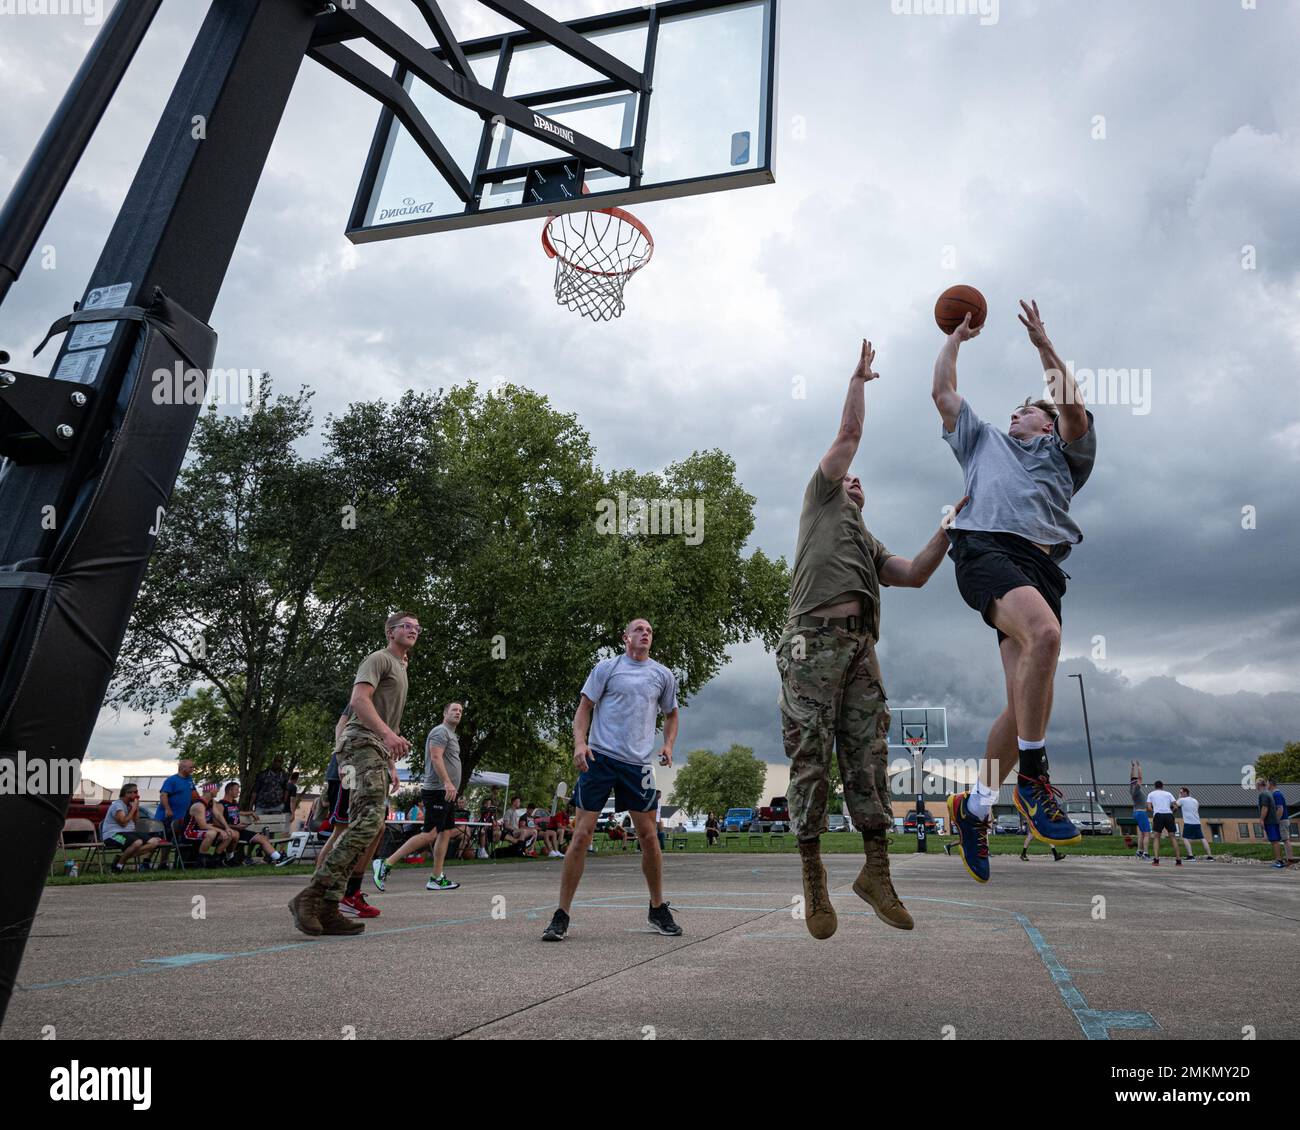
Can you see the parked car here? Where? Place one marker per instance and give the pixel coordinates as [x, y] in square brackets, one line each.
[738, 820]
[774, 817]
[927, 817]
[1009, 824]
[838, 823]
[1090, 819]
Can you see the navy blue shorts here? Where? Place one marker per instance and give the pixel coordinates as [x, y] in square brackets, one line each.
[1273, 833]
[627, 780]
[1192, 832]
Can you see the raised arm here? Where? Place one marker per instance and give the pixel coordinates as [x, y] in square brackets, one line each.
[944, 394]
[1073, 423]
[904, 573]
[835, 463]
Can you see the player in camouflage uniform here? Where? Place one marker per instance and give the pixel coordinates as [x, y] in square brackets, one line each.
[367, 753]
[832, 697]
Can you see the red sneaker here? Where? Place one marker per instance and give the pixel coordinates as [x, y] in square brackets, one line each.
[357, 905]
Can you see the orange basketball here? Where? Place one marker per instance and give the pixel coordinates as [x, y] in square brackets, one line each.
[955, 303]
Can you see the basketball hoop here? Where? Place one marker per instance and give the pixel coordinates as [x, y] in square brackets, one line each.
[596, 253]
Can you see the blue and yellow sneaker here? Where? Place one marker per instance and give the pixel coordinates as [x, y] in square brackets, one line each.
[1038, 801]
[973, 841]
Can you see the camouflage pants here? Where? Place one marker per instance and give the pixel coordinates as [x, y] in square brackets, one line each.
[365, 765]
[832, 696]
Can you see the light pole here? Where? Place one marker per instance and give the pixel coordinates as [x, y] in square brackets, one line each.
[1096, 796]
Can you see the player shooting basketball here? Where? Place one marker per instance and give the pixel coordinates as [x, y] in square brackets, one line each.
[831, 689]
[1007, 547]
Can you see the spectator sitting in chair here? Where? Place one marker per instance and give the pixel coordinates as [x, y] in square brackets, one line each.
[515, 830]
[118, 830]
[174, 798]
[711, 829]
[226, 816]
[201, 829]
[560, 830]
[615, 831]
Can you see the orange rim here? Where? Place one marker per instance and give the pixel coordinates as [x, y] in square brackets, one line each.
[618, 214]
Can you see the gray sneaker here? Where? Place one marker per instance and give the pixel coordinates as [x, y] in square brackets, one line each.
[380, 869]
[440, 883]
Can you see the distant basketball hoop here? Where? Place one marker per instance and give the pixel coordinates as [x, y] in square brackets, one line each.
[596, 253]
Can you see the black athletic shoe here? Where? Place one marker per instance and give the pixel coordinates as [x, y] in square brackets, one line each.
[558, 928]
[1057, 856]
[661, 918]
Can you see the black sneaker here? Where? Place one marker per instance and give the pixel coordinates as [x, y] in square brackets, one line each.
[1057, 856]
[661, 918]
[558, 928]
[118, 869]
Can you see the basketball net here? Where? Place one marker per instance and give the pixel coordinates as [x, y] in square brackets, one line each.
[595, 254]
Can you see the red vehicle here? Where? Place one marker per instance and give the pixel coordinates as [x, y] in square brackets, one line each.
[774, 817]
[80, 809]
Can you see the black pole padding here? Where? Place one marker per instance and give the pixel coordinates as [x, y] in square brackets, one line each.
[46, 174]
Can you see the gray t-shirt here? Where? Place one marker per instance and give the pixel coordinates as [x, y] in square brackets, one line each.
[629, 696]
[1267, 807]
[1139, 795]
[110, 826]
[1019, 487]
[446, 737]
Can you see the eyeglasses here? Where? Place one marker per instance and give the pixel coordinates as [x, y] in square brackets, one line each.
[408, 628]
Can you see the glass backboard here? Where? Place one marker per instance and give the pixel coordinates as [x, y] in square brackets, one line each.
[705, 124]
[913, 727]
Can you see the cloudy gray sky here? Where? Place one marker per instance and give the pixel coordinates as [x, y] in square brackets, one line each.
[1133, 167]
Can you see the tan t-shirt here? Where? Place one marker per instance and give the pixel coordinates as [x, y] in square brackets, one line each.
[835, 554]
[387, 674]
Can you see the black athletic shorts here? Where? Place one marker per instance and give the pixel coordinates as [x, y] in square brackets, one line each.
[1163, 822]
[989, 566]
[439, 814]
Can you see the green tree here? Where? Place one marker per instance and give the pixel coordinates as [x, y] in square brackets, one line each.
[742, 777]
[1284, 766]
[273, 572]
[204, 731]
[538, 593]
[710, 782]
[697, 786]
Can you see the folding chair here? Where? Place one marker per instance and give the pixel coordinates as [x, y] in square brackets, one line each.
[93, 847]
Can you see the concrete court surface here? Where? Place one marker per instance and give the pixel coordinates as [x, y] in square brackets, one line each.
[1179, 954]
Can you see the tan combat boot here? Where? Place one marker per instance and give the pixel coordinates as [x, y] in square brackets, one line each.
[305, 907]
[333, 921]
[819, 914]
[874, 887]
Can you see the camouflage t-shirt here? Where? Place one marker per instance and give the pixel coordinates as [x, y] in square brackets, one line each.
[387, 674]
[835, 554]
